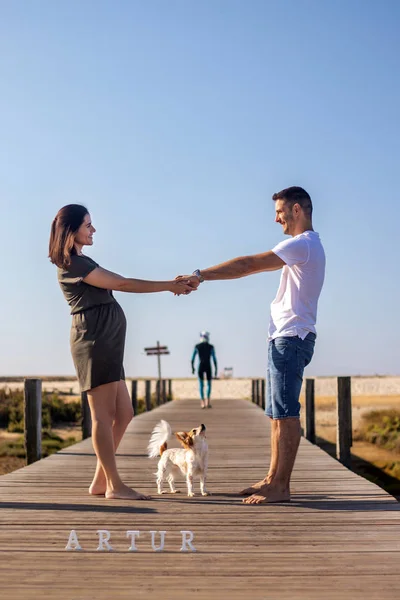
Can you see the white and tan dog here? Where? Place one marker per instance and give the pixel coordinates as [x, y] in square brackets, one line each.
[191, 460]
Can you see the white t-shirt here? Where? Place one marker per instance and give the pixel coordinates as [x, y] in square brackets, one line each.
[294, 310]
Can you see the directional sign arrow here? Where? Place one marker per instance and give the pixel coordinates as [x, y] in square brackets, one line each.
[156, 348]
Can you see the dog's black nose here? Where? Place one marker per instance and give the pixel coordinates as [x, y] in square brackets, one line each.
[203, 427]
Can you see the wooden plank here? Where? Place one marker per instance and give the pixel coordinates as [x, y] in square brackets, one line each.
[344, 421]
[253, 391]
[148, 394]
[86, 417]
[158, 392]
[257, 391]
[310, 411]
[336, 538]
[134, 396]
[33, 419]
[262, 383]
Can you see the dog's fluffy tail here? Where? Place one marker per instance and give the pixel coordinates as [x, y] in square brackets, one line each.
[158, 441]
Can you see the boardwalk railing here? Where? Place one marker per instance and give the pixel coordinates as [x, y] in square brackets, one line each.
[344, 429]
[344, 435]
[258, 392]
[33, 411]
[33, 419]
[163, 394]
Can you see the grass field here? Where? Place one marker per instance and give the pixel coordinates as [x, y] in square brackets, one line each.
[12, 451]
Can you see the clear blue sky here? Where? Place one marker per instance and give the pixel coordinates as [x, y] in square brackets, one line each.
[175, 122]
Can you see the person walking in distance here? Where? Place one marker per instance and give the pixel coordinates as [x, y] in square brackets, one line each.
[292, 331]
[205, 351]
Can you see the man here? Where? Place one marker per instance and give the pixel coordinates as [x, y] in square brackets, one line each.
[205, 352]
[291, 335]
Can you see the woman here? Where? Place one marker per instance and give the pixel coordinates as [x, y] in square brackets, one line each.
[98, 339]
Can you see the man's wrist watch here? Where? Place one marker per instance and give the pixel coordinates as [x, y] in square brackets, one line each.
[198, 274]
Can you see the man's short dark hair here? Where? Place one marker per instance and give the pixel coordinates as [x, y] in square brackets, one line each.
[296, 195]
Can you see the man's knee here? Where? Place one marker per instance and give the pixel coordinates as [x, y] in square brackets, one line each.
[289, 425]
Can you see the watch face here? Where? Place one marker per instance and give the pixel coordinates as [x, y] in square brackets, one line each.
[197, 274]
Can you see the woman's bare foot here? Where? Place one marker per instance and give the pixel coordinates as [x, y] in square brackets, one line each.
[123, 492]
[97, 491]
[255, 487]
[98, 486]
[268, 494]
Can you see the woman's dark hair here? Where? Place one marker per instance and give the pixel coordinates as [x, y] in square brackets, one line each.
[62, 236]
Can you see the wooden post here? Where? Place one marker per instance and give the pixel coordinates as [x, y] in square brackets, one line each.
[310, 411]
[134, 396]
[262, 382]
[33, 419]
[158, 392]
[148, 394]
[163, 391]
[159, 361]
[169, 394]
[253, 390]
[86, 417]
[344, 434]
[258, 392]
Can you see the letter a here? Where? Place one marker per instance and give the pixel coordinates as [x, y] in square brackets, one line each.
[73, 539]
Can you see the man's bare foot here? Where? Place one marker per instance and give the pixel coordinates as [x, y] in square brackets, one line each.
[255, 487]
[125, 493]
[268, 494]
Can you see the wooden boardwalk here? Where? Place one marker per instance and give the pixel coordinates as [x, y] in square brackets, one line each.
[338, 538]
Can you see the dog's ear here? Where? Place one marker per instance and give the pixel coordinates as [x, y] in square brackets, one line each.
[185, 439]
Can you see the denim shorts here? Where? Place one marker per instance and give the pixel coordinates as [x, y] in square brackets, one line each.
[287, 358]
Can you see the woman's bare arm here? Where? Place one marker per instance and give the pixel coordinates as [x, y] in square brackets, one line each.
[108, 280]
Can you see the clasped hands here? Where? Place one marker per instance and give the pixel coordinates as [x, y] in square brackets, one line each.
[185, 284]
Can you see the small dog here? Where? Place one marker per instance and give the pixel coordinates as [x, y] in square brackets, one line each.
[192, 459]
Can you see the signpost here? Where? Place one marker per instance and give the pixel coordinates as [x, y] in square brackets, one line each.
[157, 351]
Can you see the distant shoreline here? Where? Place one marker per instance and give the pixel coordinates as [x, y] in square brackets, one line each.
[16, 378]
[235, 387]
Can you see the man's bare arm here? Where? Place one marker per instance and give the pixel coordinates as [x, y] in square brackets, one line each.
[243, 266]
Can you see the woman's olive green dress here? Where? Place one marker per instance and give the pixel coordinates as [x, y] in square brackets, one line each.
[98, 326]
